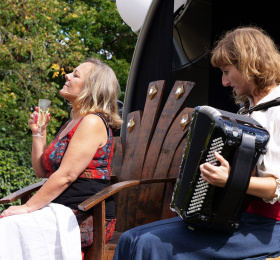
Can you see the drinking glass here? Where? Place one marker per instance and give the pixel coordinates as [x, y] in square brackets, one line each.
[44, 105]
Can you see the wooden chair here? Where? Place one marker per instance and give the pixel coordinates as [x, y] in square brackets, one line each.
[145, 167]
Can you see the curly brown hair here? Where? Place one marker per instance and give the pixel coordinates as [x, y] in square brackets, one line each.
[253, 53]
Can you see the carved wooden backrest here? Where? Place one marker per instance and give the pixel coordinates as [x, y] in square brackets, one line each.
[152, 149]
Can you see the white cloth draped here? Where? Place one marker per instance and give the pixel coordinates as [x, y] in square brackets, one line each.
[51, 233]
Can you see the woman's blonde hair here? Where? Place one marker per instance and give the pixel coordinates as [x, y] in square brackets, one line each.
[254, 55]
[100, 93]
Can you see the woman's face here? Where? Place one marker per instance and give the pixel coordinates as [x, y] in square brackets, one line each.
[233, 78]
[75, 81]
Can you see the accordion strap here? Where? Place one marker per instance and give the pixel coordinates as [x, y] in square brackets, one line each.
[266, 105]
[238, 181]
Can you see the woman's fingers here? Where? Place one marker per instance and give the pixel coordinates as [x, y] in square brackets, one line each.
[14, 210]
[221, 159]
[34, 117]
[216, 175]
[48, 118]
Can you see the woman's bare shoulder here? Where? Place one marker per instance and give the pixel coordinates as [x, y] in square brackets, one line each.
[93, 122]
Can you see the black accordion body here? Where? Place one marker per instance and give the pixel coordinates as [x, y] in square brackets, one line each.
[240, 140]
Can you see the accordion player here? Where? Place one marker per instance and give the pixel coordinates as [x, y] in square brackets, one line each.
[240, 140]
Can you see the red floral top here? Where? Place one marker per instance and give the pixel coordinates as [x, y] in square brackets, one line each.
[99, 167]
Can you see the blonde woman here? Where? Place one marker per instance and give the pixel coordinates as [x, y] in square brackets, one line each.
[250, 65]
[77, 161]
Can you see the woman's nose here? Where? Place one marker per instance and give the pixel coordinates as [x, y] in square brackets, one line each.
[225, 81]
[68, 76]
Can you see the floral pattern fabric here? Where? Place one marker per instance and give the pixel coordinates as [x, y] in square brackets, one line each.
[85, 222]
[99, 167]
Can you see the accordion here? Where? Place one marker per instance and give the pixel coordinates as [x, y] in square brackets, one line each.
[240, 140]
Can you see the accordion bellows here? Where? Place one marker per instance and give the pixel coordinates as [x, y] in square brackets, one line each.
[240, 140]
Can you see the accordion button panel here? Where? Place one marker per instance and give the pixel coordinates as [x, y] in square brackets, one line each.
[202, 186]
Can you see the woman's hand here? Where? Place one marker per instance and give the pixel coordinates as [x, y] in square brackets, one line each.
[15, 210]
[34, 119]
[216, 175]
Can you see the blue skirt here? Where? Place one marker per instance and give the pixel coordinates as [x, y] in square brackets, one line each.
[257, 238]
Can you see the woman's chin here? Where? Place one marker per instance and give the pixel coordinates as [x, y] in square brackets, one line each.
[63, 93]
[66, 95]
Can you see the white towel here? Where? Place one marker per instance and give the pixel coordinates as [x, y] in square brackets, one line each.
[51, 233]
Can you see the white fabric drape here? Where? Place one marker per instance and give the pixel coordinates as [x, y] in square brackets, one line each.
[51, 233]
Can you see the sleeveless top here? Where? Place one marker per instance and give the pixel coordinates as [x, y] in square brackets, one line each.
[93, 179]
[99, 167]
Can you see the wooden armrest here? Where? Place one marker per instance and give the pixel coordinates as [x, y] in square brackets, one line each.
[115, 188]
[30, 189]
[22, 192]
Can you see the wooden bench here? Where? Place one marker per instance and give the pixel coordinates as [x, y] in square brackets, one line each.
[145, 167]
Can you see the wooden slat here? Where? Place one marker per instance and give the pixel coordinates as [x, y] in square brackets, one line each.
[153, 202]
[171, 142]
[131, 141]
[116, 164]
[177, 159]
[96, 250]
[169, 187]
[148, 123]
[171, 109]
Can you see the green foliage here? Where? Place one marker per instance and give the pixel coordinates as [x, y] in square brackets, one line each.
[15, 161]
[41, 41]
[13, 175]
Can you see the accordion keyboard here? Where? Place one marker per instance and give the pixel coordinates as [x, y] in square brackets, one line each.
[240, 140]
[202, 186]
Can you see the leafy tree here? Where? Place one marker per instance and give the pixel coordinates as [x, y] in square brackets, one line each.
[41, 41]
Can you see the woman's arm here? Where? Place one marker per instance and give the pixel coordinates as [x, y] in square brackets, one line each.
[89, 136]
[38, 144]
[263, 187]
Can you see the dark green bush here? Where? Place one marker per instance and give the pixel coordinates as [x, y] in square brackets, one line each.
[13, 176]
[15, 162]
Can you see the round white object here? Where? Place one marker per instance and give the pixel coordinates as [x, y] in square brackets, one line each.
[134, 12]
